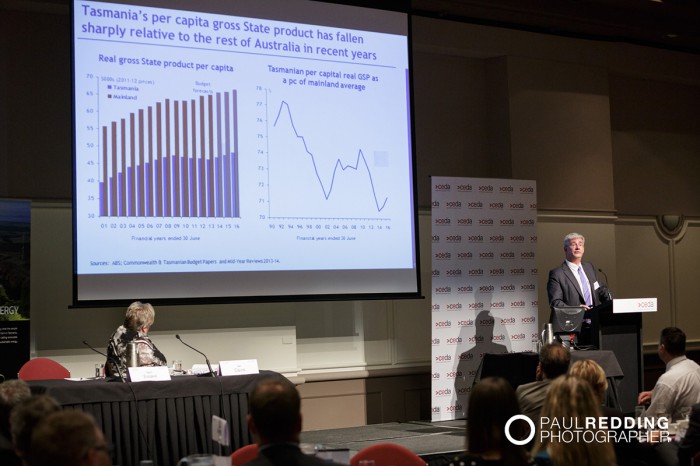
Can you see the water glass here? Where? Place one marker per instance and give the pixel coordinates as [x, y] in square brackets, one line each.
[685, 412]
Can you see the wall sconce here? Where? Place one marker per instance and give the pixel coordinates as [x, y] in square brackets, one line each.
[671, 224]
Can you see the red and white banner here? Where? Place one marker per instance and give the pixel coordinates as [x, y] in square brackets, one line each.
[484, 284]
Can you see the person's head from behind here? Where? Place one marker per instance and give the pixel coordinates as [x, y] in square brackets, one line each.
[12, 392]
[671, 343]
[139, 317]
[570, 400]
[275, 411]
[591, 372]
[554, 361]
[68, 438]
[491, 404]
[24, 419]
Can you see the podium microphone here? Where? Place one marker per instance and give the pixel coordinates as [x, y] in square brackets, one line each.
[116, 363]
[211, 372]
[607, 292]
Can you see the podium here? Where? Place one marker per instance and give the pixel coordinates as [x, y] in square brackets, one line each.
[619, 323]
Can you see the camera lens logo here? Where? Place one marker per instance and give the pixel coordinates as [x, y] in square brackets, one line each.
[523, 418]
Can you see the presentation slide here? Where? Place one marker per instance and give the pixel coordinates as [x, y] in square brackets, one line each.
[241, 149]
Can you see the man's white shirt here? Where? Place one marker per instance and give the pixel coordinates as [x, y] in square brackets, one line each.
[677, 388]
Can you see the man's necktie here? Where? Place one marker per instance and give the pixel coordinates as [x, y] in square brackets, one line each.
[586, 287]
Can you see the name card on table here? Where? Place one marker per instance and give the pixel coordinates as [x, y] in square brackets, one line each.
[626, 306]
[239, 367]
[149, 373]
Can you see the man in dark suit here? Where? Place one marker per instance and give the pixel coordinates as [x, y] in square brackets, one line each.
[575, 283]
[275, 421]
[554, 361]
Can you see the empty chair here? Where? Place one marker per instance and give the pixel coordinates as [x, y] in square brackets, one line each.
[387, 454]
[42, 369]
[244, 455]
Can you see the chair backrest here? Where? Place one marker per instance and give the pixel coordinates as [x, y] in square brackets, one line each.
[42, 369]
[387, 454]
[244, 455]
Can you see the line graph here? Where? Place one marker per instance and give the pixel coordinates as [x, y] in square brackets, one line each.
[349, 188]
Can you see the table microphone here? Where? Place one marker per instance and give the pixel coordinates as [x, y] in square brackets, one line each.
[211, 372]
[116, 363]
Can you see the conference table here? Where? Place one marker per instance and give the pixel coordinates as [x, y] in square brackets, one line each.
[161, 421]
[519, 368]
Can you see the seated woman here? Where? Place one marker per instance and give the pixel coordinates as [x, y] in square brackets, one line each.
[571, 399]
[491, 404]
[138, 321]
[628, 452]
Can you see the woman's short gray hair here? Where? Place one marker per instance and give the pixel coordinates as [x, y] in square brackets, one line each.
[139, 315]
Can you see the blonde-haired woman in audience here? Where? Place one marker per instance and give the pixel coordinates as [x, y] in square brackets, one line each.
[629, 452]
[571, 399]
[590, 371]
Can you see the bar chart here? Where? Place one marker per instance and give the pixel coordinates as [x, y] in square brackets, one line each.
[172, 159]
[200, 150]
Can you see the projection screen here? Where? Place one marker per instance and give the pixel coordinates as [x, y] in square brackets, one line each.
[242, 151]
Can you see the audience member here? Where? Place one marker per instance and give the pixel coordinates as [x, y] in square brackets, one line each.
[554, 361]
[679, 386]
[68, 438]
[12, 392]
[275, 422]
[591, 372]
[24, 419]
[571, 400]
[690, 443]
[138, 321]
[491, 404]
[627, 452]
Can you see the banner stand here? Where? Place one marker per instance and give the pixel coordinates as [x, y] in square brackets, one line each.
[484, 281]
[15, 226]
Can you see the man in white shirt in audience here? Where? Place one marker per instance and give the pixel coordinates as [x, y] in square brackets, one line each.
[679, 386]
